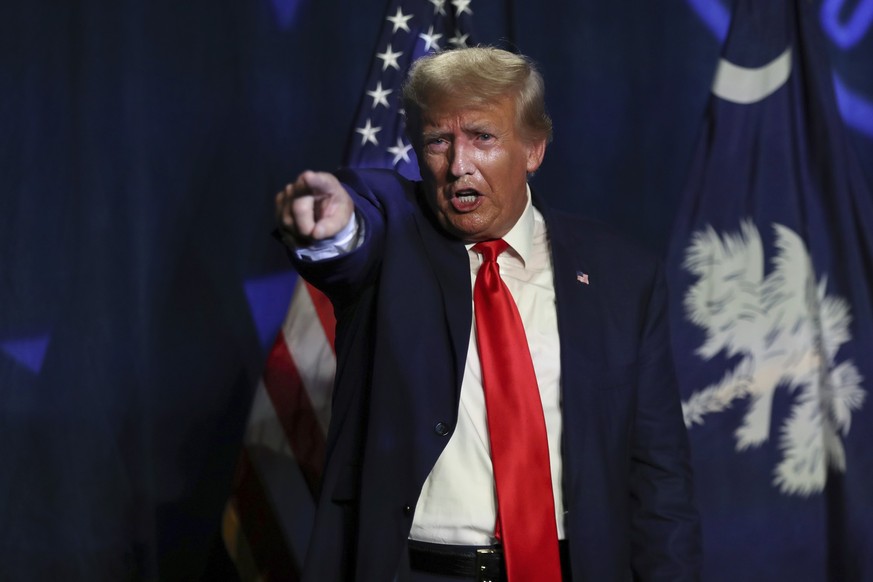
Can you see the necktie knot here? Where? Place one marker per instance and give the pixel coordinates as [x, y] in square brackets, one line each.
[491, 249]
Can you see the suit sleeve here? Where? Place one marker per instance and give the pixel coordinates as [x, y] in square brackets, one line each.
[665, 524]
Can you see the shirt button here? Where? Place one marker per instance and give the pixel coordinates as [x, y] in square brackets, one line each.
[441, 428]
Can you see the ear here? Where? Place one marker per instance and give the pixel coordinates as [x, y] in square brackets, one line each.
[535, 151]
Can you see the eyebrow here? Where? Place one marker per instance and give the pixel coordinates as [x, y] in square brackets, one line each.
[473, 128]
[428, 135]
[481, 128]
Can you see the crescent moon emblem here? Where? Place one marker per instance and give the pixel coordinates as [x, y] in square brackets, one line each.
[744, 85]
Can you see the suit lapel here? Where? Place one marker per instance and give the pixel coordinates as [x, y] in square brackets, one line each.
[577, 302]
[580, 325]
[449, 261]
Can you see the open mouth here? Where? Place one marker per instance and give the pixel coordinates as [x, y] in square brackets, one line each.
[466, 196]
[466, 200]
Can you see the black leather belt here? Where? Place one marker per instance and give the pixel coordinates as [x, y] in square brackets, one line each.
[483, 564]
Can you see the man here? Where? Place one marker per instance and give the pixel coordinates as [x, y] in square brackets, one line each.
[427, 475]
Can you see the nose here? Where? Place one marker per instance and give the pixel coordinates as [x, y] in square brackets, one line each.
[461, 161]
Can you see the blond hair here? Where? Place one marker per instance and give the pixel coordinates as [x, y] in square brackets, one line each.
[477, 76]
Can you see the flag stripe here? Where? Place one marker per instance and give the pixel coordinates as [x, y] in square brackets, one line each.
[308, 336]
[294, 412]
[263, 429]
[287, 491]
[324, 310]
[262, 537]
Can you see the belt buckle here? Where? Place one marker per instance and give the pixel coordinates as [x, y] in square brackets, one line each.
[488, 565]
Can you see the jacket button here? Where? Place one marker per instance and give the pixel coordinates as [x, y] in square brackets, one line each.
[441, 428]
[407, 510]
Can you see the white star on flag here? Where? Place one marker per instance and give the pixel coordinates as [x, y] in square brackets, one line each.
[380, 108]
[462, 6]
[400, 151]
[379, 95]
[399, 20]
[459, 40]
[582, 277]
[368, 133]
[439, 6]
[389, 58]
[430, 39]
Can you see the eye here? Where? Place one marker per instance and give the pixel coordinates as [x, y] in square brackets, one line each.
[435, 144]
[486, 136]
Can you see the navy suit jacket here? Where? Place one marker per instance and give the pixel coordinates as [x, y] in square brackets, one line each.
[403, 304]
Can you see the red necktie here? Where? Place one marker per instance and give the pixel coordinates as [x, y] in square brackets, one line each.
[519, 448]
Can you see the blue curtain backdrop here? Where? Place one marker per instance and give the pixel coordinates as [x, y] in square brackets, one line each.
[140, 147]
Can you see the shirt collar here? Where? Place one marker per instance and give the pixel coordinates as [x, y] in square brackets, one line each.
[520, 236]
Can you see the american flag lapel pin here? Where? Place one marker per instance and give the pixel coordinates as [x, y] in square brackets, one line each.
[582, 277]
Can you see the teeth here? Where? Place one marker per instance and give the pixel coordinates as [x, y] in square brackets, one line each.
[467, 198]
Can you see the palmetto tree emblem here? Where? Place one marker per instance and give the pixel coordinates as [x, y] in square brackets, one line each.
[787, 332]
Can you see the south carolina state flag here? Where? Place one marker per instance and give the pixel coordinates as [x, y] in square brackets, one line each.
[772, 287]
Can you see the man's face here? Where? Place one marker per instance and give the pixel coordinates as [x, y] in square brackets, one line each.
[475, 166]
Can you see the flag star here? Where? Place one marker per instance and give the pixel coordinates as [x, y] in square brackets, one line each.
[368, 133]
[462, 6]
[400, 151]
[430, 39]
[439, 6]
[379, 95]
[459, 39]
[399, 20]
[389, 58]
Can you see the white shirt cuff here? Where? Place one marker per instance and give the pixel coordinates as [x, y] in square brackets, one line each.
[346, 240]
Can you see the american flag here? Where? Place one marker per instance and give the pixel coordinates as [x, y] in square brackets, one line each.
[411, 30]
[270, 512]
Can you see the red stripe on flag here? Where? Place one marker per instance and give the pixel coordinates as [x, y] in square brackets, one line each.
[295, 413]
[324, 310]
[264, 537]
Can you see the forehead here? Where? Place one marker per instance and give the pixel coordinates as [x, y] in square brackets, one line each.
[448, 113]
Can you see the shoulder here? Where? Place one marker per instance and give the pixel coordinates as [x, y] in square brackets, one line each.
[598, 242]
